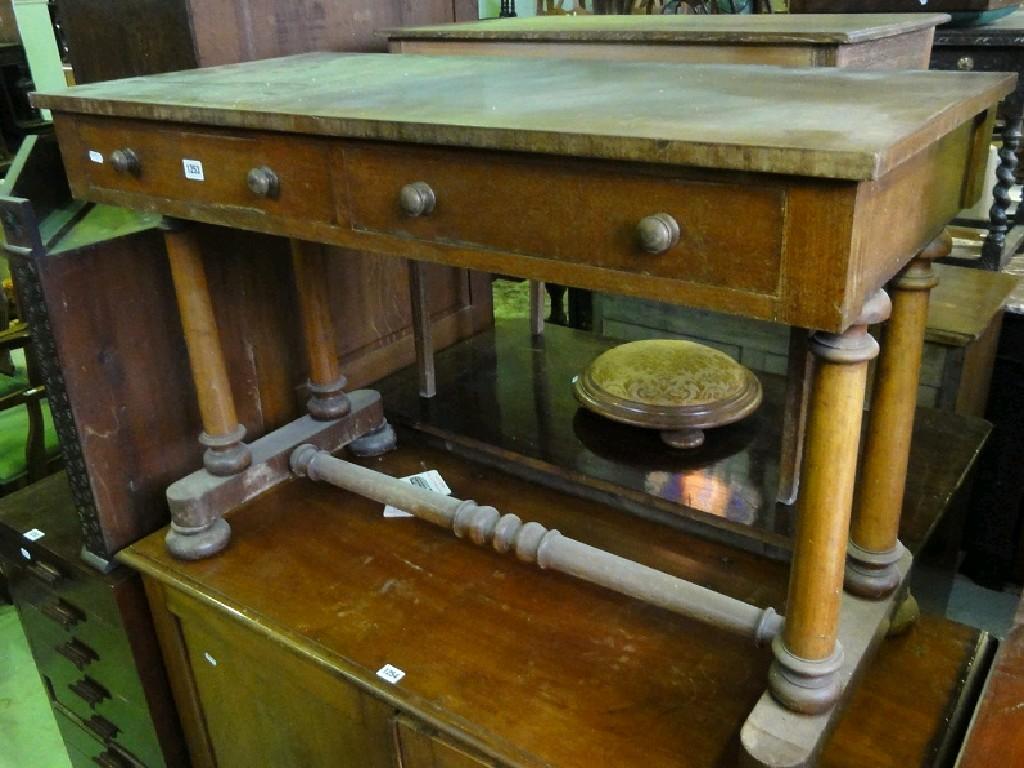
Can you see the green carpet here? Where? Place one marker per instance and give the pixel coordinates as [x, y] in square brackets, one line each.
[28, 733]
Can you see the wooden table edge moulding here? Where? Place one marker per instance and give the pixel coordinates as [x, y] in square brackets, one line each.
[387, 153]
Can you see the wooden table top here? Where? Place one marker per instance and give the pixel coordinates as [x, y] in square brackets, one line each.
[782, 29]
[824, 122]
[1008, 30]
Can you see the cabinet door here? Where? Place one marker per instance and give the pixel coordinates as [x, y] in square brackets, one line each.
[263, 705]
[419, 748]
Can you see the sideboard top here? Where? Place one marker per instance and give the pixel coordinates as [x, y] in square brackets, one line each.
[823, 122]
[760, 29]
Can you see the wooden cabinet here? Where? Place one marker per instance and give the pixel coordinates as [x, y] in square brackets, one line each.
[275, 645]
[89, 635]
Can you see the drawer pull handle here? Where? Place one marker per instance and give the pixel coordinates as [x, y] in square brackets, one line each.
[78, 653]
[417, 199]
[126, 161]
[63, 613]
[102, 727]
[657, 233]
[263, 182]
[45, 572]
[91, 692]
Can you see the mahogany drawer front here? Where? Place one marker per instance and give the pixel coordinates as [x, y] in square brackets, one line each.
[67, 655]
[731, 235]
[206, 167]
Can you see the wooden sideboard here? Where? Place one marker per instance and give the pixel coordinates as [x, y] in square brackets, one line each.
[276, 647]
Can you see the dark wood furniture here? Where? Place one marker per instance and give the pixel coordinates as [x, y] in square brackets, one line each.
[90, 635]
[879, 41]
[30, 395]
[103, 40]
[996, 735]
[996, 47]
[504, 665]
[280, 146]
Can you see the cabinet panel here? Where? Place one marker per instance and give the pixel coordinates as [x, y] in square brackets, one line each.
[264, 706]
[419, 748]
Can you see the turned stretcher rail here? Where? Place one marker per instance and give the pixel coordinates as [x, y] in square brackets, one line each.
[534, 543]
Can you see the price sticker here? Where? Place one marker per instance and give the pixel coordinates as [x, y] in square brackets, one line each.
[193, 169]
[390, 673]
[34, 535]
[96, 157]
[430, 480]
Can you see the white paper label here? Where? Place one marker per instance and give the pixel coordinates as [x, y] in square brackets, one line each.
[34, 535]
[96, 157]
[390, 673]
[430, 480]
[209, 659]
[26, 554]
[193, 169]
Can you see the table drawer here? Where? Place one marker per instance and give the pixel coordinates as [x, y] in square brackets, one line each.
[207, 167]
[729, 235]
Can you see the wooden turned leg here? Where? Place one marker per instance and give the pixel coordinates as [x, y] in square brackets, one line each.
[327, 399]
[874, 549]
[537, 293]
[807, 654]
[422, 331]
[222, 435]
[992, 250]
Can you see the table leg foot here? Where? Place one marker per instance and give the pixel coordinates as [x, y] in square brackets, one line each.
[905, 616]
[226, 454]
[375, 443]
[807, 686]
[198, 543]
[328, 401]
[872, 574]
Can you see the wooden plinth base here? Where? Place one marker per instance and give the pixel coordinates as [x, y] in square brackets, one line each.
[777, 738]
[199, 501]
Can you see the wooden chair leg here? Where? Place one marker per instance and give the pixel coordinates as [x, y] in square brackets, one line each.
[807, 653]
[222, 435]
[874, 547]
[327, 399]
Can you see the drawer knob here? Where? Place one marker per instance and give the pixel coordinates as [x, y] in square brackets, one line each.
[417, 199]
[657, 233]
[125, 161]
[263, 182]
[965, 63]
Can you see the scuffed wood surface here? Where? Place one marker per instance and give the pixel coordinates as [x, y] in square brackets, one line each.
[777, 28]
[828, 123]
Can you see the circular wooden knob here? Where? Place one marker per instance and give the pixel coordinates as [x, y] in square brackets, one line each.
[125, 161]
[263, 182]
[417, 199]
[657, 233]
